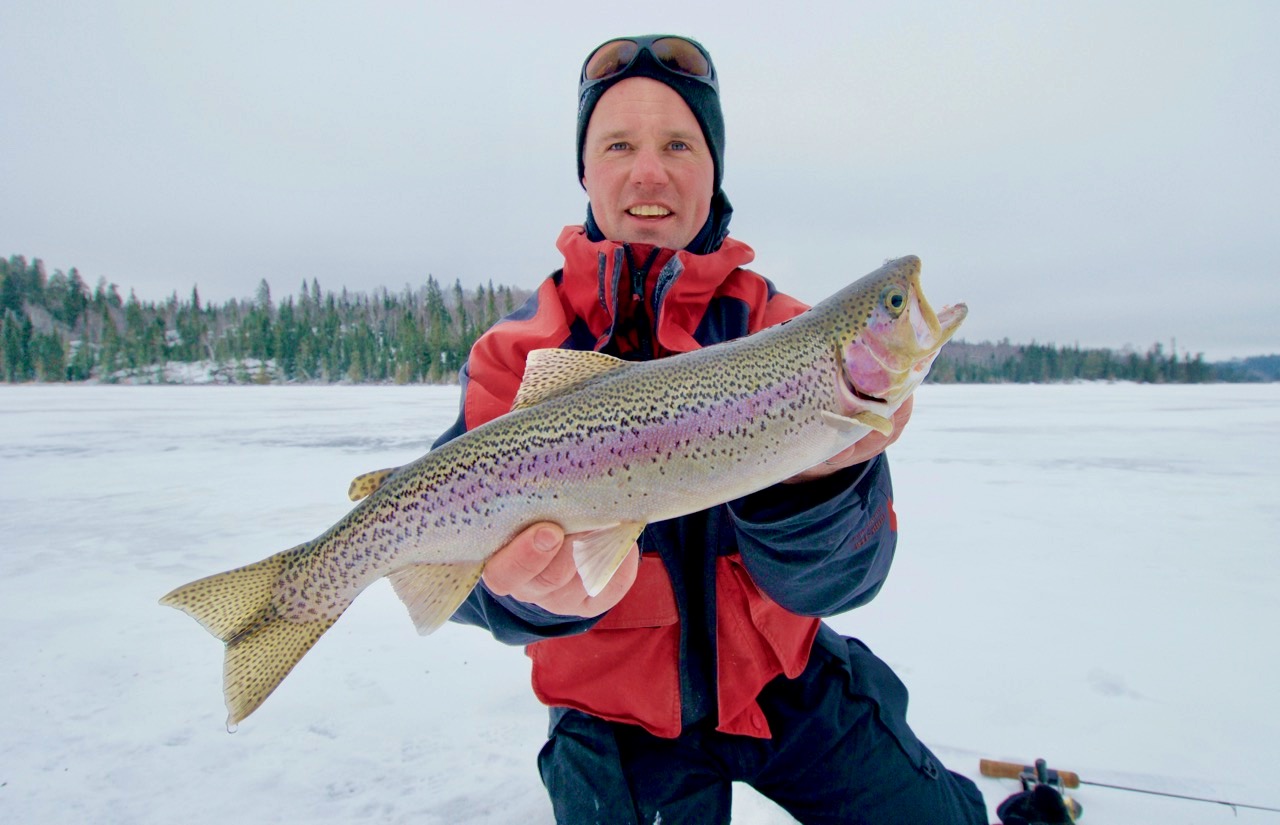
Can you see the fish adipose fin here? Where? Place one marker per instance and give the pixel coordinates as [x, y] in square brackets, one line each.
[262, 646]
[364, 484]
[599, 553]
[432, 592]
[879, 423]
[552, 372]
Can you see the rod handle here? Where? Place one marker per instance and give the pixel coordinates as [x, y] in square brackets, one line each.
[1012, 770]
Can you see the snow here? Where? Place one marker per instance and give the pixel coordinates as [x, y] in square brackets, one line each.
[1086, 573]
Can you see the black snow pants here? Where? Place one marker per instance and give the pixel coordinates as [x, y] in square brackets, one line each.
[841, 752]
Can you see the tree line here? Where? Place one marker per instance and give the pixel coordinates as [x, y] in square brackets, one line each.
[55, 328]
[961, 362]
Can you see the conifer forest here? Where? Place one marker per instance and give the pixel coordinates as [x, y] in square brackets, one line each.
[54, 327]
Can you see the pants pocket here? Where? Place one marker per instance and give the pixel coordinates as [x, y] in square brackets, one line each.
[871, 678]
[582, 771]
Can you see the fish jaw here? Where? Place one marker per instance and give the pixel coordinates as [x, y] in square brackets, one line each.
[896, 345]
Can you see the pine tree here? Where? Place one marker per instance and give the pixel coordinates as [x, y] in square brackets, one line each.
[49, 357]
[56, 293]
[286, 340]
[10, 347]
[10, 291]
[438, 323]
[16, 334]
[80, 367]
[33, 283]
[76, 303]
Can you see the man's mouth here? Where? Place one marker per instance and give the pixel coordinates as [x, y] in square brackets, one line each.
[648, 210]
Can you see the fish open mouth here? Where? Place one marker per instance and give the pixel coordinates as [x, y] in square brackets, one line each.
[949, 320]
[857, 393]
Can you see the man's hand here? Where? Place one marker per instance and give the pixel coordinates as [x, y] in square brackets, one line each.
[867, 448]
[537, 568]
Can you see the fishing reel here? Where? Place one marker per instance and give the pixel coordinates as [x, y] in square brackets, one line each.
[1043, 800]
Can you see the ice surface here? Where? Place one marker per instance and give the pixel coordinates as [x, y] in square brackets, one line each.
[1086, 573]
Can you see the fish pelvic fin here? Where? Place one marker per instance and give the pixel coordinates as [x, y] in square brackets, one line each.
[432, 592]
[262, 646]
[365, 484]
[599, 553]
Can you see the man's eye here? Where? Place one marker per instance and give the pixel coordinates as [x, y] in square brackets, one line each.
[679, 145]
[617, 146]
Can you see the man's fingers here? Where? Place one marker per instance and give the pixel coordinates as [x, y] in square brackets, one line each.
[550, 579]
[559, 572]
[527, 557]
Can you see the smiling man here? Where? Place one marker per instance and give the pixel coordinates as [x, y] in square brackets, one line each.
[648, 170]
[704, 661]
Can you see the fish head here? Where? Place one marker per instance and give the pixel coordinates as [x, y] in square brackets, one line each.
[888, 337]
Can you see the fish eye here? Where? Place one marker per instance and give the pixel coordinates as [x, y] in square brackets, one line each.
[894, 300]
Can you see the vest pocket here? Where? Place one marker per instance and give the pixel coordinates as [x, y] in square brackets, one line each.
[649, 603]
[756, 640]
[626, 668]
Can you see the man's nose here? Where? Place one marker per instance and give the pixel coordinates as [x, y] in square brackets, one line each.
[648, 169]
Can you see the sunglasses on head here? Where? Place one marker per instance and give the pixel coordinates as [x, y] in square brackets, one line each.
[675, 54]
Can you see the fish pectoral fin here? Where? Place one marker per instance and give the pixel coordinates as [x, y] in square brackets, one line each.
[599, 553]
[552, 372]
[364, 484]
[879, 423]
[432, 592]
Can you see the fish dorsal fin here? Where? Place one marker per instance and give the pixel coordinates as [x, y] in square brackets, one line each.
[364, 484]
[552, 372]
[432, 592]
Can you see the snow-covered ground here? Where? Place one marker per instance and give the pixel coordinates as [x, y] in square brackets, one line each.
[1087, 573]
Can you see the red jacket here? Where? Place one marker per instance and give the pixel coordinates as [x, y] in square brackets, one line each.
[644, 660]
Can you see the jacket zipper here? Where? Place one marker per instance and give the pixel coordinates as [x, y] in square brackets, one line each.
[644, 326]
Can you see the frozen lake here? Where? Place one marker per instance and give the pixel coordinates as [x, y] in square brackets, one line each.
[1085, 573]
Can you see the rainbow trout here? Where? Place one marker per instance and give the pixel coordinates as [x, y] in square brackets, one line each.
[600, 446]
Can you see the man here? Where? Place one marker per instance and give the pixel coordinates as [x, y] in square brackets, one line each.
[702, 662]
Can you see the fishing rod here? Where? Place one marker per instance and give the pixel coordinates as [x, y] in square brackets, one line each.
[1070, 779]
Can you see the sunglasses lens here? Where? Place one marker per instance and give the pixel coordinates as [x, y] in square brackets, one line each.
[680, 55]
[610, 59]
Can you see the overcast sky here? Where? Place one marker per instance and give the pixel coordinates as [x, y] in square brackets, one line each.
[1104, 173]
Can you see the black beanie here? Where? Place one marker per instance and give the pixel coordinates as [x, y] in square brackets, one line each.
[702, 98]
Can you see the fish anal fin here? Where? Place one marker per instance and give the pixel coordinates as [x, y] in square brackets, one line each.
[879, 423]
[365, 484]
[599, 553]
[552, 372]
[432, 592]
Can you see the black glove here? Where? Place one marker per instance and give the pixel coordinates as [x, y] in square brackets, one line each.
[1041, 805]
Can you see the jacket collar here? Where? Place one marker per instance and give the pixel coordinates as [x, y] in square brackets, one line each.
[677, 288]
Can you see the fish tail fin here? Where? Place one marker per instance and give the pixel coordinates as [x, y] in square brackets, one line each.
[238, 607]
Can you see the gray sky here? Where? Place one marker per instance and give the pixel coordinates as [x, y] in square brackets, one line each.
[1103, 173]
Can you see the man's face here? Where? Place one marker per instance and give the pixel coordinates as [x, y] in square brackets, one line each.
[646, 166]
